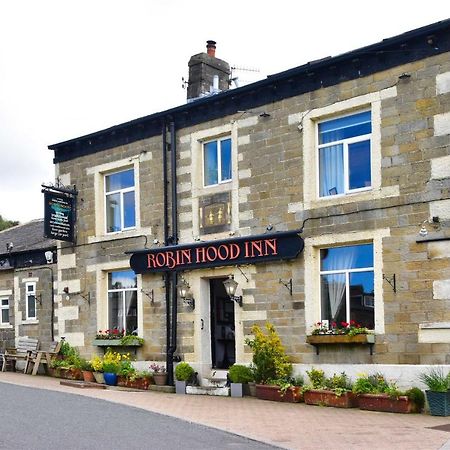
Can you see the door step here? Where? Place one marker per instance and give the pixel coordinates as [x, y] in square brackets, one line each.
[208, 390]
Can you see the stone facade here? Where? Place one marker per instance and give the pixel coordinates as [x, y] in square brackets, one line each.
[273, 181]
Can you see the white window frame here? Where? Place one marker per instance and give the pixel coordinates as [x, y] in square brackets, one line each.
[347, 273]
[29, 293]
[123, 300]
[312, 271]
[345, 144]
[219, 141]
[3, 308]
[121, 192]
[307, 122]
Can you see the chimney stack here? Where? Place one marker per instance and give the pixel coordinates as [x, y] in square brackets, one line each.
[207, 74]
[211, 48]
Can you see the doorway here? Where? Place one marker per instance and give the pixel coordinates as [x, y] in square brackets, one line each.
[223, 344]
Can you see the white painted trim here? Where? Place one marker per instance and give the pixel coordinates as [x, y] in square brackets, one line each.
[99, 172]
[312, 271]
[308, 121]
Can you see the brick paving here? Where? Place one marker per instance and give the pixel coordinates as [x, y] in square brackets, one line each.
[290, 426]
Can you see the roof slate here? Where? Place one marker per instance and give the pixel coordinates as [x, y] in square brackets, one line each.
[27, 236]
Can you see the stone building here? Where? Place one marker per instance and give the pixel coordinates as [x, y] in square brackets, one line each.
[27, 276]
[323, 191]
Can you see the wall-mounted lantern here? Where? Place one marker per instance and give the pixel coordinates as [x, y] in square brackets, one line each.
[184, 292]
[230, 287]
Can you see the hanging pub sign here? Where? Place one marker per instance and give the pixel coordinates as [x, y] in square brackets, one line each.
[242, 250]
[59, 215]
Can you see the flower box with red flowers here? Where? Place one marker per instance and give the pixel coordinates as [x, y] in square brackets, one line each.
[344, 333]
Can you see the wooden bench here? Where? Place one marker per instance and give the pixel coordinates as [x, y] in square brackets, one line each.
[25, 346]
[43, 357]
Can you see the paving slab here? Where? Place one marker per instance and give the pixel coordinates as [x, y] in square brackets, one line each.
[290, 426]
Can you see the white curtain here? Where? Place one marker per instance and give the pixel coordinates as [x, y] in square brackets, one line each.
[343, 259]
[331, 168]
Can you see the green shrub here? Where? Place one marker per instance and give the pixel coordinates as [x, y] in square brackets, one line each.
[184, 371]
[269, 357]
[240, 374]
[416, 396]
[436, 380]
[317, 378]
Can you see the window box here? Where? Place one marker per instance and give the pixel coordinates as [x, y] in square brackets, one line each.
[340, 339]
[115, 343]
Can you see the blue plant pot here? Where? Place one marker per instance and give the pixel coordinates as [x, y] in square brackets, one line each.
[110, 378]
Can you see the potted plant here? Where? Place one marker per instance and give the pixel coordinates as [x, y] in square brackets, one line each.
[87, 370]
[333, 391]
[239, 375]
[111, 366]
[125, 370]
[139, 380]
[97, 365]
[183, 374]
[438, 394]
[270, 362]
[376, 394]
[159, 374]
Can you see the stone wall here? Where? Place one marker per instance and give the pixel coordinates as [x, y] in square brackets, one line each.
[271, 186]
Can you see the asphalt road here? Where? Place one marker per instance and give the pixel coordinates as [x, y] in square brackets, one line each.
[41, 419]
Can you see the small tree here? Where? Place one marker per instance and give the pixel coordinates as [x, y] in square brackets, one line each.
[269, 357]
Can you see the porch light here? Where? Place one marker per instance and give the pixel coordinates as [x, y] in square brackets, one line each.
[184, 292]
[230, 287]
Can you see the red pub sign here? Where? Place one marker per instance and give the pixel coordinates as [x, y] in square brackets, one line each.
[242, 250]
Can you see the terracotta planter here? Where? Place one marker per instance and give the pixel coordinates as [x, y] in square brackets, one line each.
[122, 380]
[382, 402]
[329, 398]
[269, 392]
[160, 378]
[88, 376]
[139, 383]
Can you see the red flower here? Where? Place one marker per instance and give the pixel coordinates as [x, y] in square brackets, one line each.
[333, 324]
[344, 324]
[352, 322]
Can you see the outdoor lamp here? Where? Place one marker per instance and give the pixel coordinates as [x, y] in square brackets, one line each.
[184, 291]
[230, 287]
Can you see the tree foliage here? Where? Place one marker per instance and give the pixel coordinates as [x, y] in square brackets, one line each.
[4, 223]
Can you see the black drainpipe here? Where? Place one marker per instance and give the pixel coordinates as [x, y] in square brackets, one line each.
[166, 242]
[173, 346]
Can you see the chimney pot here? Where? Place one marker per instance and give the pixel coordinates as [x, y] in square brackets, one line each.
[211, 48]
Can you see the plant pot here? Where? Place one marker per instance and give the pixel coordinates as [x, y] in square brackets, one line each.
[237, 389]
[251, 389]
[88, 376]
[160, 378]
[110, 378]
[384, 403]
[270, 392]
[138, 383]
[122, 380]
[438, 403]
[99, 378]
[322, 397]
[180, 387]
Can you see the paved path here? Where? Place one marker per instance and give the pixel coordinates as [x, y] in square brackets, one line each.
[291, 426]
